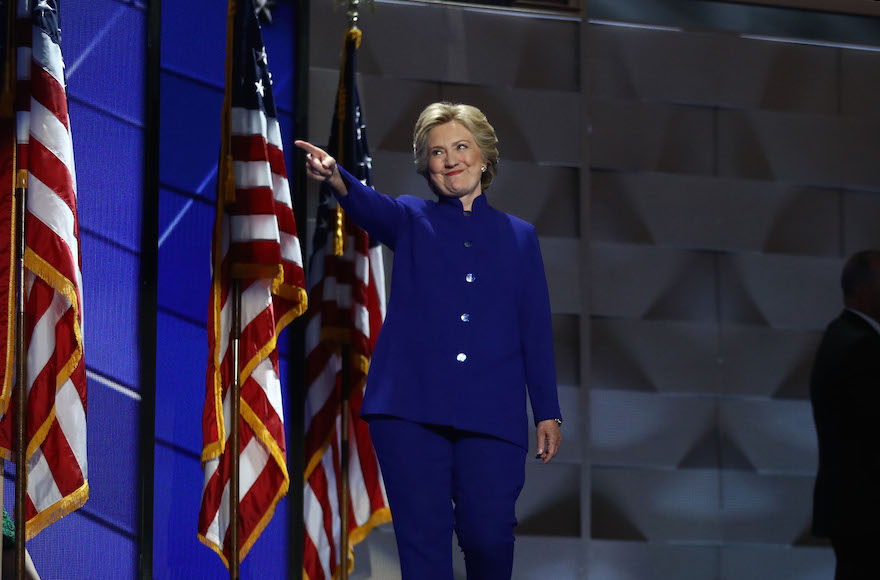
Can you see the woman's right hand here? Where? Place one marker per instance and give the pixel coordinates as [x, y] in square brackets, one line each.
[321, 166]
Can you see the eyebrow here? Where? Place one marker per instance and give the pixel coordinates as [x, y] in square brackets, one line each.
[454, 143]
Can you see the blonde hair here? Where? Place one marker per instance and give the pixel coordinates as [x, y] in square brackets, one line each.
[473, 120]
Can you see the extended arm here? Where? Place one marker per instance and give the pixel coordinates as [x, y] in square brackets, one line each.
[381, 216]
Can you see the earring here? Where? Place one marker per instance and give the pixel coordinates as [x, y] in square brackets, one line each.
[483, 169]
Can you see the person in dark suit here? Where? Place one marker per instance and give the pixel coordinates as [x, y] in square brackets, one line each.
[845, 394]
[467, 334]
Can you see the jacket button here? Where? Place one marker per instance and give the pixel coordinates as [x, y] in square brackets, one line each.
[470, 278]
[461, 357]
[468, 244]
[465, 317]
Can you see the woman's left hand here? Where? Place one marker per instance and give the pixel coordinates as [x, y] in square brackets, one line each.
[549, 439]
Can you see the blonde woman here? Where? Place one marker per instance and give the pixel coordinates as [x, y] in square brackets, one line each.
[466, 335]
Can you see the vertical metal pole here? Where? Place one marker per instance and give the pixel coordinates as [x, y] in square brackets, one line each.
[224, 190]
[343, 458]
[298, 369]
[20, 385]
[148, 294]
[234, 434]
[353, 9]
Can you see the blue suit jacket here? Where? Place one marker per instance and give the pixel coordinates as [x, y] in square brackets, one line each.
[468, 323]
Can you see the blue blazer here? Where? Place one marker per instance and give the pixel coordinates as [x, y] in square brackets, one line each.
[468, 323]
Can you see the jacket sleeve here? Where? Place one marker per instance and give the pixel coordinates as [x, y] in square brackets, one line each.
[380, 215]
[536, 330]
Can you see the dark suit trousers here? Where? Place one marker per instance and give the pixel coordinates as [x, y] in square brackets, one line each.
[439, 479]
[856, 557]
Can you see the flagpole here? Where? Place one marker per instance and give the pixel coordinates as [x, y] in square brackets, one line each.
[353, 14]
[344, 450]
[226, 187]
[343, 459]
[234, 434]
[299, 369]
[20, 389]
[21, 380]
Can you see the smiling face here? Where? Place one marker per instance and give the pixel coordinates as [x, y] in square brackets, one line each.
[454, 162]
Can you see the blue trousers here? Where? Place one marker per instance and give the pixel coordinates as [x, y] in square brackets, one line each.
[439, 479]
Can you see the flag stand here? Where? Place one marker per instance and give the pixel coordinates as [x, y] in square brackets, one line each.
[21, 380]
[234, 434]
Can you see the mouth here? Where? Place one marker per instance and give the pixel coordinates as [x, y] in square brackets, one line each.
[456, 172]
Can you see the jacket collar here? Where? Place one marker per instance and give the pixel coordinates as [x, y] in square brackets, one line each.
[480, 203]
[874, 324]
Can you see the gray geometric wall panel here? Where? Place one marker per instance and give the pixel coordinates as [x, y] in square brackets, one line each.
[730, 177]
[692, 253]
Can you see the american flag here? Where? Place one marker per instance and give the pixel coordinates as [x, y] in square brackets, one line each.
[255, 240]
[56, 377]
[347, 293]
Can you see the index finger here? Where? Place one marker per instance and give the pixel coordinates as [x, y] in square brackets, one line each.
[309, 148]
[552, 450]
[542, 442]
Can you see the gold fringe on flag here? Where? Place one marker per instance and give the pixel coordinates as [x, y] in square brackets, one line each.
[339, 238]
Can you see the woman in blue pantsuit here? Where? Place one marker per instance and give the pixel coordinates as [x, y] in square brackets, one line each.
[467, 333]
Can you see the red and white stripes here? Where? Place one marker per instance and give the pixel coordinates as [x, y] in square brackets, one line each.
[56, 378]
[347, 304]
[255, 241]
